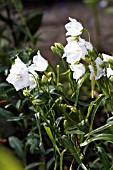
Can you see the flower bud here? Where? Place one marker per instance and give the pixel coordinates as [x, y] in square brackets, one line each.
[49, 74]
[53, 49]
[26, 92]
[37, 102]
[44, 79]
[58, 49]
[37, 115]
[59, 46]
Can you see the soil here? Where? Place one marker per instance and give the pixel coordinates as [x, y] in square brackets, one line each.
[55, 16]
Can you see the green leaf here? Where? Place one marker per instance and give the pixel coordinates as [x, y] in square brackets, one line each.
[61, 159]
[70, 147]
[4, 84]
[81, 81]
[50, 162]
[16, 118]
[6, 113]
[42, 149]
[75, 132]
[79, 84]
[32, 165]
[104, 158]
[100, 129]
[18, 104]
[105, 137]
[48, 130]
[93, 108]
[17, 145]
[58, 120]
[65, 72]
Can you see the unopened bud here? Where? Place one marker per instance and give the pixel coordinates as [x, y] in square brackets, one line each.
[26, 92]
[37, 102]
[59, 46]
[44, 79]
[49, 74]
[56, 50]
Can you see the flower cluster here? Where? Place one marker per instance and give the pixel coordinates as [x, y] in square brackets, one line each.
[79, 54]
[78, 49]
[23, 76]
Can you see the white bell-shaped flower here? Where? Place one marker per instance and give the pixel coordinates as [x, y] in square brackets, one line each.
[79, 70]
[74, 51]
[18, 75]
[74, 28]
[39, 63]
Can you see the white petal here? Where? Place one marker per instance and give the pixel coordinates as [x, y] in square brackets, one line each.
[39, 63]
[32, 79]
[107, 57]
[74, 28]
[87, 44]
[100, 71]
[73, 52]
[79, 70]
[109, 72]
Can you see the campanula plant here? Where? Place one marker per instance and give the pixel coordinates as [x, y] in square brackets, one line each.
[60, 124]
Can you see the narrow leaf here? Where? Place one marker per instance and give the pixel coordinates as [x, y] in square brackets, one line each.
[48, 130]
[70, 147]
[100, 129]
[79, 84]
[98, 102]
[17, 145]
[18, 104]
[6, 113]
[99, 98]
[104, 158]
[61, 159]
[105, 137]
[50, 162]
[32, 165]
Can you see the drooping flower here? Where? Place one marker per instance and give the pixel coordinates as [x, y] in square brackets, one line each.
[74, 28]
[18, 75]
[100, 70]
[73, 51]
[39, 63]
[79, 70]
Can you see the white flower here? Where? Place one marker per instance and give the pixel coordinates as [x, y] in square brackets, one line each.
[83, 47]
[87, 44]
[74, 28]
[32, 79]
[74, 51]
[18, 75]
[106, 57]
[79, 70]
[39, 63]
[100, 70]
[109, 73]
